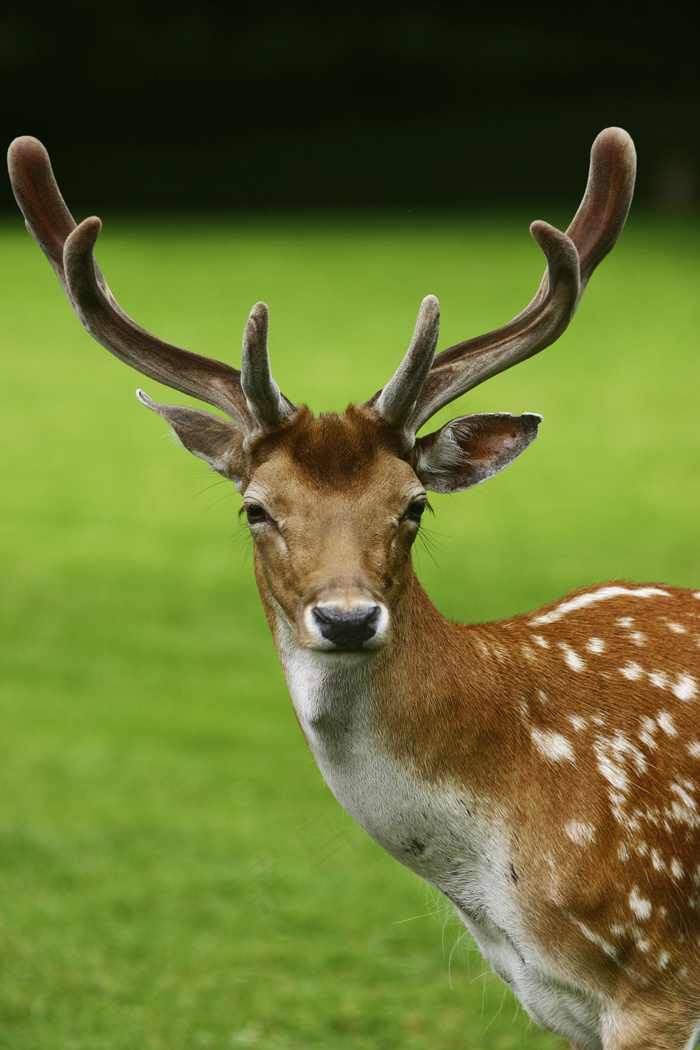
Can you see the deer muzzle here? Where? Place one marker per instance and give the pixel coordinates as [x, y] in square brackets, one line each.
[344, 617]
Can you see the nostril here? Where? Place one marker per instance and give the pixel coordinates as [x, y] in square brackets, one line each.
[346, 630]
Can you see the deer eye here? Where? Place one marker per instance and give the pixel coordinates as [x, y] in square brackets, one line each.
[256, 514]
[415, 509]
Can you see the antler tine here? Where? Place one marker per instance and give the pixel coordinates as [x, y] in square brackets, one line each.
[395, 402]
[603, 211]
[263, 396]
[69, 248]
[571, 259]
[45, 213]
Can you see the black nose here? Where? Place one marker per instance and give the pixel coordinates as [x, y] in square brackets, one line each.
[347, 630]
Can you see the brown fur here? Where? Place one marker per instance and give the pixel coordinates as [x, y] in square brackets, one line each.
[332, 451]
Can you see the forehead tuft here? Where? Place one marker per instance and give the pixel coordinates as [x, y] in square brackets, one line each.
[336, 448]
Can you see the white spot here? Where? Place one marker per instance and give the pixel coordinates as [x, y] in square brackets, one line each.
[626, 747]
[483, 647]
[591, 935]
[529, 653]
[664, 960]
[582, 601]
[683, 794]
[542, 697]
[617, 803]
[595, 645]
[693, 748]
[686, 687]
[639, 905]
[683, 807]
[665, 722]
[542, 642]
[580, 832]
[626, 621]
[659, 679]
[638, 638]
[647, 732]
[622, 852]
[613, 773]
[677, 628]
[697, 594]
[571, 658]
[580, 723]
[612, 754]
[676, 869]
[632, 671]
[657, 861]
[552, 745]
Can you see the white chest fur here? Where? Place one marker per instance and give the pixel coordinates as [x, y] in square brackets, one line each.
[451, 839]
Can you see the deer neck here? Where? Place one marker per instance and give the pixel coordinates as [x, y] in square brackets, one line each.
[381, 729]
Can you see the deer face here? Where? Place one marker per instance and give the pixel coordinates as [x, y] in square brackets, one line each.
[333, 512]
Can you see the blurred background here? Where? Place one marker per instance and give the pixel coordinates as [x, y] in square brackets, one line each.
[173, 872]
[412, 105]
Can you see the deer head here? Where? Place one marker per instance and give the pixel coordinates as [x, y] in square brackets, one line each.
[334, 502]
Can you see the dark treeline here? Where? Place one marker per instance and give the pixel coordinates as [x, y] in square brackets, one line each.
[211, 104]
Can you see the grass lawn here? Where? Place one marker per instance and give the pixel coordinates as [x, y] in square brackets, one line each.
[173, 872]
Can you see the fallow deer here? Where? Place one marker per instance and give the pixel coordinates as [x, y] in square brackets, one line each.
[543, 773]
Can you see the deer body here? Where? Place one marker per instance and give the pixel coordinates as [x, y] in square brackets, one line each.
[544, 772]
[500, 761]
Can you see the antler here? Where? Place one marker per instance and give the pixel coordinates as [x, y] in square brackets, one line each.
[251, 397]
[398, 397]
[422, 384]
[571, 259]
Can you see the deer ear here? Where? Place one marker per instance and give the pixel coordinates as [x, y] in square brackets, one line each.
[471, 449]
[217, 440]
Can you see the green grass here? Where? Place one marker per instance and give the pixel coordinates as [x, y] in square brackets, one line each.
[173, 873]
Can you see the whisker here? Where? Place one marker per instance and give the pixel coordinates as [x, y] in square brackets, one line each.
[208, 488]
[227, 495]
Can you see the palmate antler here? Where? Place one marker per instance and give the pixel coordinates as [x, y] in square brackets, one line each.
[424, 383]
[250, 397]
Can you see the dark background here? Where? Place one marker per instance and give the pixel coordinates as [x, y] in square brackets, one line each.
[209, 105]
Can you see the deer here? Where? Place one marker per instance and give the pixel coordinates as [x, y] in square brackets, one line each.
[543, 773]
